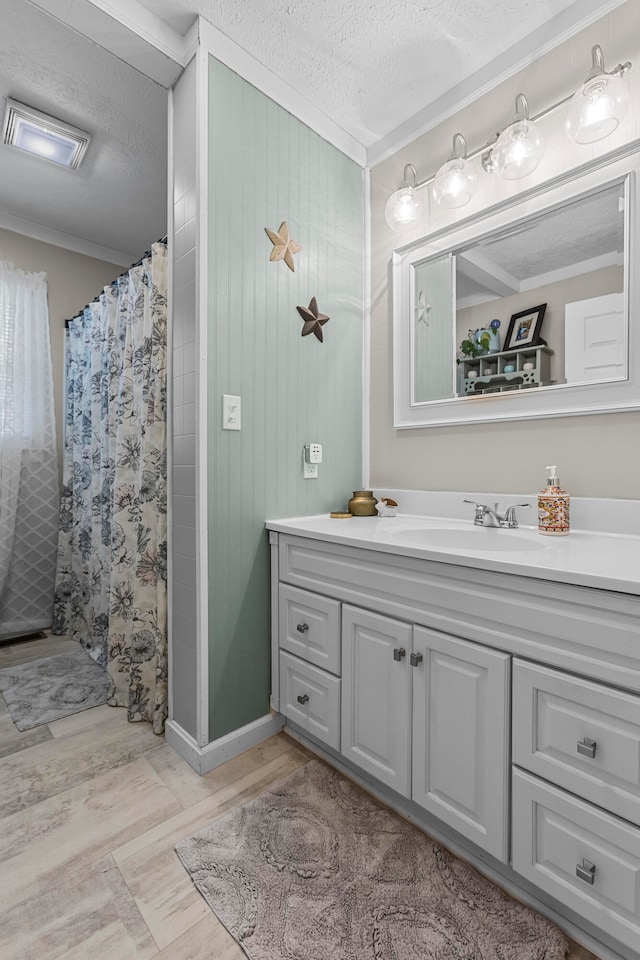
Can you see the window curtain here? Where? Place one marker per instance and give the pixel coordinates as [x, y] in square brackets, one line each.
[111, 585]
[29, 490]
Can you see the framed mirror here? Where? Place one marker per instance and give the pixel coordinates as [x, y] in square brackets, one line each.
[530, 310]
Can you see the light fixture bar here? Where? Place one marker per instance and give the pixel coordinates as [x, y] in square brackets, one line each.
[597, 66]
[491, 141]
[44, 136]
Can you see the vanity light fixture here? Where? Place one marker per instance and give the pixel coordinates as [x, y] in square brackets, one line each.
[43, 136]
[519, 148]
[455, 181]
[594, 112]
[600, 104]
[405, 207]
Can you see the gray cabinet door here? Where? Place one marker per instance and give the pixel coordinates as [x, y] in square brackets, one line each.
[376, 696]
[461, 737]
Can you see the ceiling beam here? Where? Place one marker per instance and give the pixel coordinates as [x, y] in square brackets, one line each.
[127, 30]
[488, 274]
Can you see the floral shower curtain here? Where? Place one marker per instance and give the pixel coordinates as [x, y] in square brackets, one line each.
[111, 584]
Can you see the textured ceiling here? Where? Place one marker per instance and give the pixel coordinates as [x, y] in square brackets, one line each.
[369, 65]
[580, 231]
[117, 197]
[567, 238]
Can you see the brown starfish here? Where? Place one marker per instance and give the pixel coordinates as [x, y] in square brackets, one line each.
[313, 319]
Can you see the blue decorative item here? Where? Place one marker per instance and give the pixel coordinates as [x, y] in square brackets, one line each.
[509, 368]
[494, 344]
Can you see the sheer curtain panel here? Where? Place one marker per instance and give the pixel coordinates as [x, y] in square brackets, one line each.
[29, 493]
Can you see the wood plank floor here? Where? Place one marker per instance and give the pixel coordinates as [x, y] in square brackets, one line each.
[91, 808]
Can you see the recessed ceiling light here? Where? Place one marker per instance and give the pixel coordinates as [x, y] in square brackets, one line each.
[44, 136]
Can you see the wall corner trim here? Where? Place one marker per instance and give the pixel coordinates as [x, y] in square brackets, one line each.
[204, 759]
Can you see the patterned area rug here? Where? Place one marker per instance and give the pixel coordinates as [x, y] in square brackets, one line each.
[45, 690]
[315, 869]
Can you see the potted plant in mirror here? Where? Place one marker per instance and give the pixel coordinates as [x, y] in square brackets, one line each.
[476, 344]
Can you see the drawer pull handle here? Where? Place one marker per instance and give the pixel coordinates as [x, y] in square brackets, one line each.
[586, 871]
[302, 627]
[587, 747]
[303, 698]
[415, 659]
[399, 653]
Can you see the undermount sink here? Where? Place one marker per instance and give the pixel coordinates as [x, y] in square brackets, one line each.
[476, 539]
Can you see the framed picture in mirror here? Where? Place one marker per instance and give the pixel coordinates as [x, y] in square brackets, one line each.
[524, 328]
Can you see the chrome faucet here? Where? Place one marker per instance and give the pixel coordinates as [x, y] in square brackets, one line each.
[486, 516]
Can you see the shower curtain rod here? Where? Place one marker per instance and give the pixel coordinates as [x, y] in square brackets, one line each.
[137, 263]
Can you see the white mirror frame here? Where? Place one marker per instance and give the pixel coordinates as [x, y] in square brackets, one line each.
[556, 400]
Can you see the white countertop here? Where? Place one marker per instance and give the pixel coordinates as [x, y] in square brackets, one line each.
[604, 560]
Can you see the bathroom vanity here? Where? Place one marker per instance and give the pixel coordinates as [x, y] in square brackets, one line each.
[486, 682]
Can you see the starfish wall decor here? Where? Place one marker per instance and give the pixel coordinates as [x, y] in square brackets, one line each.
[283, 246]
[423, 309]
[313, 319]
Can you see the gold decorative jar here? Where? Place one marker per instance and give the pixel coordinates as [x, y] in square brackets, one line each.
[362, 504]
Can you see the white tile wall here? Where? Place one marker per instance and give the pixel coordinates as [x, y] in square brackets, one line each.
[184, 393]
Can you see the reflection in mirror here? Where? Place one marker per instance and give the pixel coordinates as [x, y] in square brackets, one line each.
[569, 261]
[433, 343]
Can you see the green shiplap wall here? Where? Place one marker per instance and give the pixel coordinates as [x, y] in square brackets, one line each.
[265, 166]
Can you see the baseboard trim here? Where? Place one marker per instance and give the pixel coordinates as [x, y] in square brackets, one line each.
[207, 758]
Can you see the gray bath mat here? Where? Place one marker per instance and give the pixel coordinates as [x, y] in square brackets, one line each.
[41, 691]
[316, 869]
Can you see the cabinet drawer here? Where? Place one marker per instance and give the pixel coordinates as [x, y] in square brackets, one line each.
[311, 698]
[580, 735]
[310, 627]
[556, 837]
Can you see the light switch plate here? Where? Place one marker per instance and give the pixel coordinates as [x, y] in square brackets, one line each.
[231, 413]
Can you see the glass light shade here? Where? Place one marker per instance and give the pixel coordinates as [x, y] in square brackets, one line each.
[404, 209]
[597, 108]
[519, 150]
[454, 183]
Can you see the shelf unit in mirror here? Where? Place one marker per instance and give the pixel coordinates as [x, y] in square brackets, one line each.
[508, 370]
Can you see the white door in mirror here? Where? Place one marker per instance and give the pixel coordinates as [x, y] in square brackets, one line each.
[596, 335]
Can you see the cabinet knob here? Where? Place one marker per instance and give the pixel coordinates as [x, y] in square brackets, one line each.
[303, 698]
[302, 627]
[399, 653]
[586, 871]
[415, 659]
[587, 747]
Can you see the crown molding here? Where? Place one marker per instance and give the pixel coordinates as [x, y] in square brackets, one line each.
[127, 30]
[541, 41]
[37, 231]
[218, 45]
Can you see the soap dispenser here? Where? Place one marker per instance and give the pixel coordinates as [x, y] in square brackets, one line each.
[553, 507]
